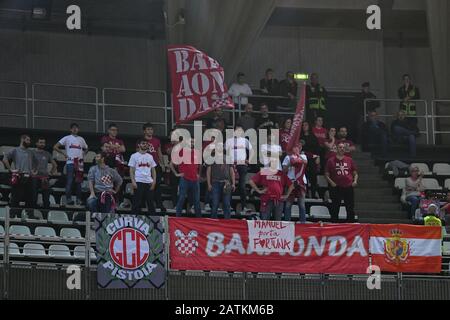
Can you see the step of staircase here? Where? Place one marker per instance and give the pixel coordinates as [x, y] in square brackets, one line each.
[369, 197]
[380, 205]
[380, 213]
[362, 183]
[384, 220]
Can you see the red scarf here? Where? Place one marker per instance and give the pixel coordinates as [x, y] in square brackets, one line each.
[78, 165]
[300, 169]
[103, 196]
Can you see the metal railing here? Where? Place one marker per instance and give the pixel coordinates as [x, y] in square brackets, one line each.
[47, 280]
[89, 104]
[140, 107]
[23, 99]
[435, 117]
[398, 101]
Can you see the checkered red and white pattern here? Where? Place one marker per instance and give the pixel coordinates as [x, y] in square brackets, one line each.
[186, 244]
[222, 103]
[107, 179]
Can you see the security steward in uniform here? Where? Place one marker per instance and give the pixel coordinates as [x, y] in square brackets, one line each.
[408, 92]
[316, 99]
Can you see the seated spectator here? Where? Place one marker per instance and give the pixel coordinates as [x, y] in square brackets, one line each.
[189, 174]
[413, 191]
[312, 150]
[288, 86]
[143, 178]
[76, 148]
[348, 144]
[330, 144]
[403, 129]
[376, 132]
[104, 184]
[217, 116]
[319, 131]
[247, 120]
[240, 90]
[269, 85]
[21, 184]
[265, 121]
[285, 133]
[294, 164]
[41, 159]
[273, 183]
[221, 183]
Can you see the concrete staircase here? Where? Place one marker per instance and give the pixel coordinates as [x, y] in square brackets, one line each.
[374, 201]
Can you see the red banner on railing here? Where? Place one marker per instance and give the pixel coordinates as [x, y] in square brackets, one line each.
[210, 244]
[198, 83]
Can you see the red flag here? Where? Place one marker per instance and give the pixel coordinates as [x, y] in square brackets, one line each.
[198, 83]
[296, 128]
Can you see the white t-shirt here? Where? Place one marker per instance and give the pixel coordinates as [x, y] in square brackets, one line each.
[237, 89]
[143, 164]
[74, 146]
[236, 148]
[291, 170]
[275, 151]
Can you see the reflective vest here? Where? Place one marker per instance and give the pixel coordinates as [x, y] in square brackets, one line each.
[409, 107]
[432, 221]
[318, 101]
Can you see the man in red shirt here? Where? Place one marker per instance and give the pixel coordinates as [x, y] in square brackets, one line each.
[154, 148]
[188, 162]
[319, 131]
[349, 146]
[271, 195]
[342, 177]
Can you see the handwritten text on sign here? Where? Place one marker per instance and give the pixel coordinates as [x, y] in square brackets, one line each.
[271, 236]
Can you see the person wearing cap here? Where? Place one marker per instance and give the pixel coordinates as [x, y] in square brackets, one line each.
[240, 90]
[431, 217]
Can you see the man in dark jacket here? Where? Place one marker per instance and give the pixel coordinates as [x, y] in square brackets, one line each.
[376, 132]
[404, 129]
[269, 85]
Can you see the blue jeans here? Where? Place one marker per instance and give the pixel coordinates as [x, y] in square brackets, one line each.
[414, 202]
[217, 194]
[272, 207]
[242, 171]
[94, 204]
[185, 187]
[401, 132]
[70, 179]
[301, 206]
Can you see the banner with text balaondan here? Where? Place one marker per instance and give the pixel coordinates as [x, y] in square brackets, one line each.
[198, 83]
[223, 245]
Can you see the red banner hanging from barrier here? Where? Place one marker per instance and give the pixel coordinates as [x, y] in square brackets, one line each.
[209, 244]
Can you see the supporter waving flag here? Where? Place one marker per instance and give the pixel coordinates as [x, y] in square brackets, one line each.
[294, 135]
[198, 83]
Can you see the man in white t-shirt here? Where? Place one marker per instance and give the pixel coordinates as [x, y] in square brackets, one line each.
[143, 178]
[75, 148]
[239, 151]
[294, 164]
[240, 90]
[271, 152]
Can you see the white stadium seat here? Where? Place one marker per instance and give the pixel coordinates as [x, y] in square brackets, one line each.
[441, 169]
[400, 183]
[70, 233]
[59, 251]
[57, 217]
[34, 250]
[431, 184]
[44, 232]
[19, 230]
[319, 212]
[423, 167]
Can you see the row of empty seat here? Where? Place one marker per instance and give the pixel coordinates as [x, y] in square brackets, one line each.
[429, 184]
[36, 250]
[439, 169]
[53, 216]
[20, 230]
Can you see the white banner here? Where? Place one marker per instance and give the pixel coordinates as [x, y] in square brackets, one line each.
[271, 236]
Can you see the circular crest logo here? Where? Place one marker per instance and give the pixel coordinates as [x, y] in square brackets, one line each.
[129, 248]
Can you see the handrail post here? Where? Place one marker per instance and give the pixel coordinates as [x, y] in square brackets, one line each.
[6, 255]
[87, 255]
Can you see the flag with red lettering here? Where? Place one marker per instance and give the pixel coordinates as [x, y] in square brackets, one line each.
[198, 83]
[406, 248]
[226, 245]
[296, 128]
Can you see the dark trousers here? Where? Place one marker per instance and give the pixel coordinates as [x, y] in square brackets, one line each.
[378, 137]
[311, 175]
[173, 189]
[242, 171]
[22, 191]
[337, 195]
[157, 192]
[95, 204]
[37, 186]
[70, 170]
[143, 194]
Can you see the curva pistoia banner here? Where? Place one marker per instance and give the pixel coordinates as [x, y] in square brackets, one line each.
[130, 251]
